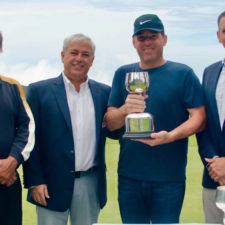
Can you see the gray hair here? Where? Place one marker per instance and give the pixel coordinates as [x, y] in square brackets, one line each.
[78, 38]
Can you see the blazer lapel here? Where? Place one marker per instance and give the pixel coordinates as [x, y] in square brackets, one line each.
[61, 99]
[97, 106]
[212, 84]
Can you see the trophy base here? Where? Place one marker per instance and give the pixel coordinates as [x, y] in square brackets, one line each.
[137, 135]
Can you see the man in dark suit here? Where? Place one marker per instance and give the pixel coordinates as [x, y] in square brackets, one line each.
[66, 171]
[212, 141]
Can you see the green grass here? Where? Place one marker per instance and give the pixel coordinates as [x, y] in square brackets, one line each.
[192, 207]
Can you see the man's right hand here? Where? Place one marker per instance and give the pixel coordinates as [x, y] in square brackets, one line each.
[216, 169]
[11, 180]
[115, 117]
[40, 194]
[8, 171]
[134, 104]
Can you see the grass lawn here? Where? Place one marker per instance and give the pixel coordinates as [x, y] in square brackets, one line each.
[192, 207]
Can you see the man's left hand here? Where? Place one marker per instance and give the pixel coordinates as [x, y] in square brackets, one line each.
[155, 139]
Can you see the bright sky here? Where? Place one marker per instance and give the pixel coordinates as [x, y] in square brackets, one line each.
[34, 31]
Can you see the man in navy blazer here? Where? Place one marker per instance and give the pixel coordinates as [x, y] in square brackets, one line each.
[212, 141]
[66, 170]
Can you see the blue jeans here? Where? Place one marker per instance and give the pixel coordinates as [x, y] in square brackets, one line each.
[150, 202]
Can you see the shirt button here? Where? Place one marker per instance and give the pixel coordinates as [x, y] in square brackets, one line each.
[72, 151]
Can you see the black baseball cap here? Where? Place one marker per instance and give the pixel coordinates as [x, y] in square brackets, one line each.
[148, 22]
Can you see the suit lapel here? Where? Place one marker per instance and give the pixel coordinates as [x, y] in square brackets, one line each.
[61, 99]
[212, 84]
[97, 106]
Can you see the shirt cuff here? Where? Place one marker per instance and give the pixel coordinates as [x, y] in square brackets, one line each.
[216, 156]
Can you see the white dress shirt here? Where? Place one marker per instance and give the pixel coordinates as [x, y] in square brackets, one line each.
[220, 96]
[82, 114]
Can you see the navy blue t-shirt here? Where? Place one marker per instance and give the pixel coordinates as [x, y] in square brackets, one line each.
[174, 88]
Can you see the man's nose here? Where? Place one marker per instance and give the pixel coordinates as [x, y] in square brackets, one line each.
[78, 57]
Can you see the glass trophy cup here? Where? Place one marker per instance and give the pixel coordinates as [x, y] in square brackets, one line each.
[138, 125]
[220, 199]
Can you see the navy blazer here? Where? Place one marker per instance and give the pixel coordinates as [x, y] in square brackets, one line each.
[52, 161]
[211, 139]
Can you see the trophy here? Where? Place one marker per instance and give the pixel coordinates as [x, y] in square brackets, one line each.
[220, 199]
[138, 125]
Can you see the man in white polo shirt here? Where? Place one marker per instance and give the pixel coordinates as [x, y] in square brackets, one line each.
[66, 171]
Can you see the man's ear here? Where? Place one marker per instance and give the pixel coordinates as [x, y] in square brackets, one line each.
[62, 56]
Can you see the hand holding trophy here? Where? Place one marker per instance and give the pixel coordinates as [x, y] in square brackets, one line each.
[138, 125]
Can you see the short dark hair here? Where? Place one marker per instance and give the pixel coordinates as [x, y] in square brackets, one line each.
[220, 17]
[1, 38]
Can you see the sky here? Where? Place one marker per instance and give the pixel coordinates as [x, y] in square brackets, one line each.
[34, 31]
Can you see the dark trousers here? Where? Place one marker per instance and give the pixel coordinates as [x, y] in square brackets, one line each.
[11, 204]
[150, 202]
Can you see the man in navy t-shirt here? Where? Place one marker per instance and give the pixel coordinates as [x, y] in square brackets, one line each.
[152, 171]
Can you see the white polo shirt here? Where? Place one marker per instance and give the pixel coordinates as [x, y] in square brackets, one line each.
[82, 114]
[220, 96]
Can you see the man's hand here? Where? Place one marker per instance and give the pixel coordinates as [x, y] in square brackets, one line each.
[158, 138]
[8, 171]
[221, 181]
[40, 194]
[134, 104]
[115, 117]
[216, 169]
[194, 124]
[12, 179]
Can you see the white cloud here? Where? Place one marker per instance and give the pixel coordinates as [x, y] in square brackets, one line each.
[195, 56]
[26, 73]
[34, 31]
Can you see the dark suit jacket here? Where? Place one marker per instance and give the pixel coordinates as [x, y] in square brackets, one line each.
[52, 161]
[211, 140]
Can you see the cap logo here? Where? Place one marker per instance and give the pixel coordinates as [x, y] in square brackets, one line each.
[145, 21]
